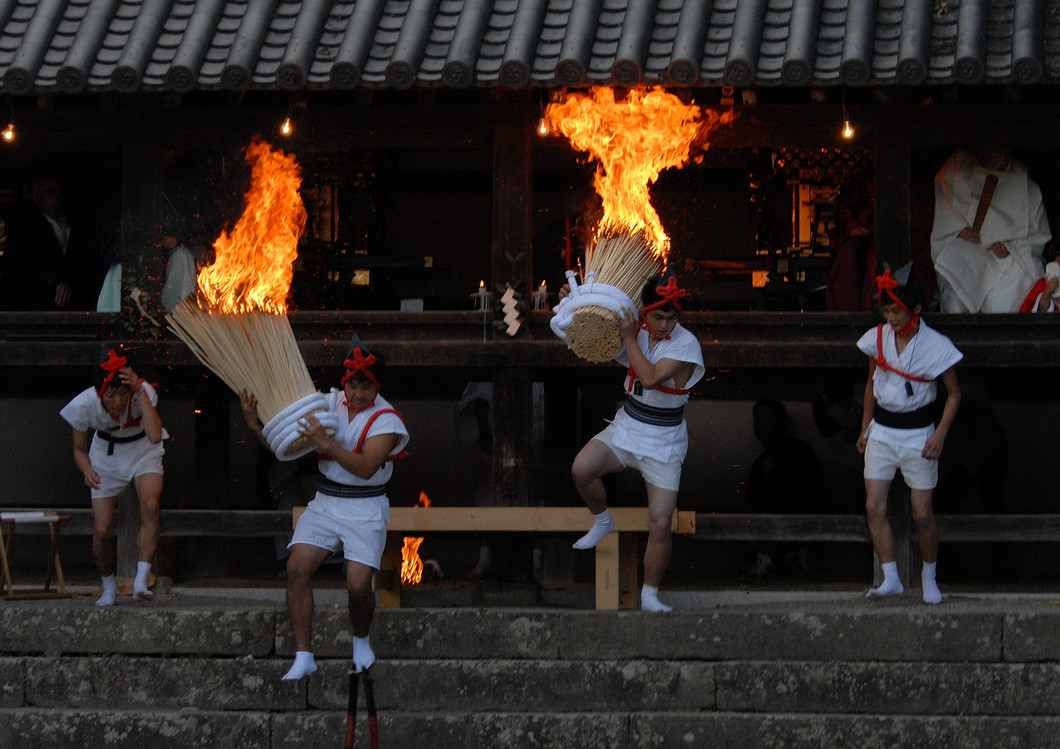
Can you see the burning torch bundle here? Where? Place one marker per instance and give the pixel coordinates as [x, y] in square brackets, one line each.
[237, 325]
[632, 139]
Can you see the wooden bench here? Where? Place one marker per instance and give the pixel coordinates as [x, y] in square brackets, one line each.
[32, 518]
[616, 554]
[981, 528]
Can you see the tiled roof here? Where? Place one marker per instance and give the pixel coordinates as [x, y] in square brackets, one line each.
[72, 46]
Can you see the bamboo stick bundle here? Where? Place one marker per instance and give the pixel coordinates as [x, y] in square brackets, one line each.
[621, 260]
[256, 351]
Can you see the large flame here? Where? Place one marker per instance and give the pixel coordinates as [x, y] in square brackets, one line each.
[411, 564]
[254, 263]
[632, 139]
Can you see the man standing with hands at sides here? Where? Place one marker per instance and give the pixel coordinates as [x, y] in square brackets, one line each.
[663, 361]
[350, 509]
[906, 357]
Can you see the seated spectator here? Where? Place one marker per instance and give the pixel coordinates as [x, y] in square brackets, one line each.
[989, 232]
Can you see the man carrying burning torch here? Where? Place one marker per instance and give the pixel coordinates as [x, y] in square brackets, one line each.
[649, 433]
[350, 509]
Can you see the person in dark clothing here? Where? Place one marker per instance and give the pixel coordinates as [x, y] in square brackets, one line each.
[785, 478]
[45, 264]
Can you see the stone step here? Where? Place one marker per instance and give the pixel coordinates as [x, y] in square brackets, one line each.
[832, 670]
[134, 729]
[537, 686]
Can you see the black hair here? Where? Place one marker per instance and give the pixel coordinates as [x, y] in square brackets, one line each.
[377, 369]
[772, 404]
[649, 295]
[102, 374]
[911, 294]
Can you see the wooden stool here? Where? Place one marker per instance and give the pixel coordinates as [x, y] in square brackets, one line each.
[9, 520]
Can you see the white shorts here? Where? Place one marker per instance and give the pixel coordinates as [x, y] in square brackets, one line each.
[358, 526]
[882, 459]
[664, 475]
[130, 459]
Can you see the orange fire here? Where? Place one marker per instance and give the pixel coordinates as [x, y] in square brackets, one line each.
[411, 564]
[632, 139]
[254, 263]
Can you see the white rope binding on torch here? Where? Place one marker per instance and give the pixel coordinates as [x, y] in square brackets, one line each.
[590, 293]
[283, 433]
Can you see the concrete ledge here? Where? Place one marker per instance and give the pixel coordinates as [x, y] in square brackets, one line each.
[527, 686]
[174, 683]
[37, 729]
[479, 730]
[889, 688]
[149, 628]
[816, 731]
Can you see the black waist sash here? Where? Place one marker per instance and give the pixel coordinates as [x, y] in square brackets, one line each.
[918, 419]
[348, 491]
[660, 417]
[111, 440]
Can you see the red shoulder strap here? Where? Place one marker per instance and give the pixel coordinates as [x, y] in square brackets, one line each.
[881, 362]
[371, 420]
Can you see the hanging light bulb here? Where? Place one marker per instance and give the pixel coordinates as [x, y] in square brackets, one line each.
[848, 130]
[542, 126]
[287, 127]
[8, 133]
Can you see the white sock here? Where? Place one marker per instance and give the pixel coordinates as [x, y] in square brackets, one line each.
[140, 591]
[110, 591]
[602, 525]
[649, 600]
[363, 657]
[891, 585]
[304, 664]
[932, 594]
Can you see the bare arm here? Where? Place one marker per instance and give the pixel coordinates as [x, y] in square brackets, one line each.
[83, 462]
[933, 447]
[650, 375]
[150, 419]
[868, 408]
[363, 464]
[249, 404]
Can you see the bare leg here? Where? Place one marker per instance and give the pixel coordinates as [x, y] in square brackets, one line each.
[590, 466]
[149, 490]
[928, 533]
[103, 535]
[661, 504]
[103, 547]
[362, 609]
[876, 491]
[303, 562]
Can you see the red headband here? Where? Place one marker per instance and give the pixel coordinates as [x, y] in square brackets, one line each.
[111, 365]
[360, 364]
[670, 293]
[887, 284]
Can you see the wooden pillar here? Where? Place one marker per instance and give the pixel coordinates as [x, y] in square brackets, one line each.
[141, 198]
[891, 176]
[141, 212]
[512, 262]
[512, 259]
[513, 425]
